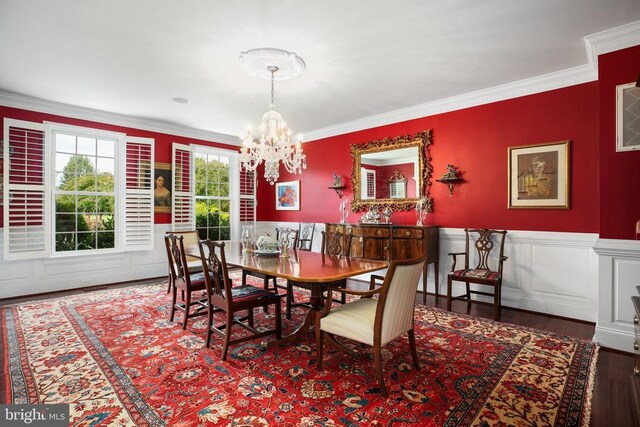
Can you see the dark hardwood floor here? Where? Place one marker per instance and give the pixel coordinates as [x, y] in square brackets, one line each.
[612, 403]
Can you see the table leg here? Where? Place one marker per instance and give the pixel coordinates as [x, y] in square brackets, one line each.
[309, 319]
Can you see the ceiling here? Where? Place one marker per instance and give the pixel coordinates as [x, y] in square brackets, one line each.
[367, 61]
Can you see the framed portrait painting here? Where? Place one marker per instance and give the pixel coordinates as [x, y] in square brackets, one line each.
[627, 114]
[162, 187]
[539, 176]
[288, 196]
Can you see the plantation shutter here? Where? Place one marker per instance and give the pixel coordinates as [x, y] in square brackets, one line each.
[183, 193]
[138, 216]
[26, 200]
[248, 185]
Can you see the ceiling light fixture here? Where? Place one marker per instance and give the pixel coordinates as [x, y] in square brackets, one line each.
[274, 145]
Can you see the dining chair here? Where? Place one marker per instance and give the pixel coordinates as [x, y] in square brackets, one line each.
[305, 235]
[223, 296]
[334, 244]
[190, 242]
[374, 321]
[182, 278]
[482, 274]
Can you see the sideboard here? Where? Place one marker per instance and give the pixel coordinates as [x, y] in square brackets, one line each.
[395, 242]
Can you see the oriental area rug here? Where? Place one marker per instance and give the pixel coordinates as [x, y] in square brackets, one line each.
[116, 359]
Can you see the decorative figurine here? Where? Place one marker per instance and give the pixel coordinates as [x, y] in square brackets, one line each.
[337, 180]
[386, 214]
[421, 211]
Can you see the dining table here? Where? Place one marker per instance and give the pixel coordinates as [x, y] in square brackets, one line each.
[316, 270]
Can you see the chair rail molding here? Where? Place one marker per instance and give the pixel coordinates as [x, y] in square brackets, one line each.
[619, 274]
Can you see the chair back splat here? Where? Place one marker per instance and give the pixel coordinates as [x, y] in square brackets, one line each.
[289, 235]
[305, 235]
[336, 243]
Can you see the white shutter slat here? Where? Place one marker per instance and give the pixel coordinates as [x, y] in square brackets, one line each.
[25, 197]
[138, 217]
[183, 194]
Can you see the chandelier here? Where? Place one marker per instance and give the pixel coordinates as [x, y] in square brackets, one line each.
[274, 145]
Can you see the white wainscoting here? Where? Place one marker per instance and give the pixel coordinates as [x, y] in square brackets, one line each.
[619, 274]
[55, 274]
[553, 273]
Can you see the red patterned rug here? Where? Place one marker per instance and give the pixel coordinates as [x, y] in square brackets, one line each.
[114, 356]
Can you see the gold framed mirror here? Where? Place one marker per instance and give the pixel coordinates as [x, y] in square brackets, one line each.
[376, 162]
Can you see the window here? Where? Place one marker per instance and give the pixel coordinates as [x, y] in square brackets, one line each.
[75, 190]
[211, 194]
[368, 186]
[84, 192]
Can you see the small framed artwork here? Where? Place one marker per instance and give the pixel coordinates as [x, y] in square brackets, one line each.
[539, 176]
[162, 192]
[288, 196]
[627, 117]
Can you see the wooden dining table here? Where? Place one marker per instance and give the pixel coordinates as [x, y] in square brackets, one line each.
[312, 268]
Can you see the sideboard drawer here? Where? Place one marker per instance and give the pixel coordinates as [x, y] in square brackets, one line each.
[408, 233]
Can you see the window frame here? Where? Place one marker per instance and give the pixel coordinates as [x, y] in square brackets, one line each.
[179, 223]
[120, 147]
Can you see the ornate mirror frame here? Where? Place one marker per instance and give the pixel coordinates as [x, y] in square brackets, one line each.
[421, 140]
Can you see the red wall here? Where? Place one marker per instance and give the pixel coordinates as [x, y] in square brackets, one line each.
[619, 185]
[475, 140]
[162, 141]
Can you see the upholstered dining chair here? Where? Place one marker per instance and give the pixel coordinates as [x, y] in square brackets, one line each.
[374, 321]
[305, 235]
[223, 296]
[183, 279]
[190, 242]
[482, 274]
[334, 244]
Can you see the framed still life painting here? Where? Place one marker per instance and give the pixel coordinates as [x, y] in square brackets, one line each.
[288, 196]
[539, 176]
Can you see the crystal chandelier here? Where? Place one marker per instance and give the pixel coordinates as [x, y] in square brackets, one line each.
[274, 145]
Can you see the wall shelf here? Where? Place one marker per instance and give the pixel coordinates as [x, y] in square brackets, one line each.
[451, 183]
[338, 189]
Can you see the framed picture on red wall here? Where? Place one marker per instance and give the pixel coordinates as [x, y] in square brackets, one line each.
[627, 117]
[539, 176]
[162, 190]
[288, 196]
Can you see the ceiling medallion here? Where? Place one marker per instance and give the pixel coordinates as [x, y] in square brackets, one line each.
[274, 145]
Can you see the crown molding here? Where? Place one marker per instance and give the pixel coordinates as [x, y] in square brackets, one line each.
[14, 100]
[556, 80]
[613, 39]
[596, 44]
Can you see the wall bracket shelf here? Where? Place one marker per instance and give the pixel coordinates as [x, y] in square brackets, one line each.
[450, 182]
[338, 189]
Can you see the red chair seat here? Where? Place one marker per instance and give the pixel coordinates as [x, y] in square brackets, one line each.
[248, 292]
[476, 274]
